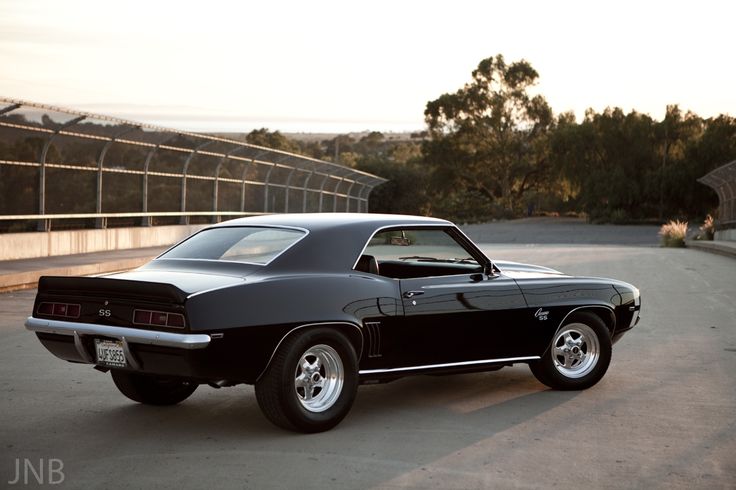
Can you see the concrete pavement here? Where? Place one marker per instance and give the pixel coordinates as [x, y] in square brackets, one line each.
[663, 417]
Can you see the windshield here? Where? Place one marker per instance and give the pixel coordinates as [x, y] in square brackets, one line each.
[254, 245]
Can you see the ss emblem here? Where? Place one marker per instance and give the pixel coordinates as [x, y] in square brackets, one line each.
[104, 312]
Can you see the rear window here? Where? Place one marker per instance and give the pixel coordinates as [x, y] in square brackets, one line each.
[253, 245]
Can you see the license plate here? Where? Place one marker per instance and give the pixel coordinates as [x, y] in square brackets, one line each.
[110, 353]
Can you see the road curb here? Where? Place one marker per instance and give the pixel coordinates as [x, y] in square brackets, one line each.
[718, 247]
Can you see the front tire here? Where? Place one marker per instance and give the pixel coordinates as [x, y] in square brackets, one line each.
[578, 356]
[311, 382]
[152, 390]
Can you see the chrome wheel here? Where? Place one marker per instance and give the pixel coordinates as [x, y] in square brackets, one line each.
[576, 350]
[319, 378]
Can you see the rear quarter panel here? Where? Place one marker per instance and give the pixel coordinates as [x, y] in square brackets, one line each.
[254, 317]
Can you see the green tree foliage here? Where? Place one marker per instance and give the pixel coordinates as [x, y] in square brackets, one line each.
[623, 167]
[605, 158]
[494, 148]
[271, 139]
[406, 190]
[335, 147]
[488, 140]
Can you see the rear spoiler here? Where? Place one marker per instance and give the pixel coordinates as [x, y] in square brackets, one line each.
[109, 287]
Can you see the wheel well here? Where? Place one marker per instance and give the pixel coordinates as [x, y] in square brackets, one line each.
[605, 314]
[353, 333]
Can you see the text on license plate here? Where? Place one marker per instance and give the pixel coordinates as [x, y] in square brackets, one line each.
[110, 353]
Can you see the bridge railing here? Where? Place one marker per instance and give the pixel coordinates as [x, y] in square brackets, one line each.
[65, 168]
[723, 181]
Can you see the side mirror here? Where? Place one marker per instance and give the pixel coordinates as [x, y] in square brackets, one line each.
[489, 270]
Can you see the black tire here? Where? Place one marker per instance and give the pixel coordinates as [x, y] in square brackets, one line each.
[288, 392]
[153, 390]
[586, 359]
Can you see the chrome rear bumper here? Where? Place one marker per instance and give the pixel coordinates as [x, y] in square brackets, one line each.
[128, 335]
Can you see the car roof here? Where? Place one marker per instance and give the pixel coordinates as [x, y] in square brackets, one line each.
[334, 240]
[318, 221]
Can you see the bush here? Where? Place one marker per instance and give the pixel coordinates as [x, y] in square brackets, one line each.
[707, 230]
[673, 233]
[619, 216]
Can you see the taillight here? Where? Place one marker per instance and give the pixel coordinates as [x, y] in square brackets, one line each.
[64, 310]
[158, 319]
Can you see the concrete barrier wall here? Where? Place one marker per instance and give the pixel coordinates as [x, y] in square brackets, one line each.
[46, 244]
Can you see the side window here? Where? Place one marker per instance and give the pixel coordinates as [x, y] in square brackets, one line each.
[406, 253]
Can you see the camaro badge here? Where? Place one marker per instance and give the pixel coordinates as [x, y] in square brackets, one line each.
[541, 315]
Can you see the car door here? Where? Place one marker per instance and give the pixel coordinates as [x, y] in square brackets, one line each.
[460, 318]
[453, 311]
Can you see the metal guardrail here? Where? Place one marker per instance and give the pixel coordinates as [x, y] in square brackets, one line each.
[102, 218]
[723, 181]
[61, 164]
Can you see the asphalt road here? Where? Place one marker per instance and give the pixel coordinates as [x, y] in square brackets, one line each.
[663, 417]
[542, 230]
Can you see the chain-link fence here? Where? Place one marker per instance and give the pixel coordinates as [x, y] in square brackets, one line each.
[67, 169]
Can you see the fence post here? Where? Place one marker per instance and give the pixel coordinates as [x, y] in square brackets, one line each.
[185, 219]
[287, 189]
[102, 222]
[347, 193]
[304, 188]
[45, 225]
[334, 195]
[146, 220]
[265, 188]
[322, 189]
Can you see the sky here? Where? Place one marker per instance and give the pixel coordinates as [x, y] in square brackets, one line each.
[340, 66]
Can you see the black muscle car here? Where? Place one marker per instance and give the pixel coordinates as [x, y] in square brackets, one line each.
[308, 306]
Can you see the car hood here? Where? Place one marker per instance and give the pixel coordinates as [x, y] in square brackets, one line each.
[517, 270]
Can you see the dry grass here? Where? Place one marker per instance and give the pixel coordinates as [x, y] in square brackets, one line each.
[673, 233]
[708, 229]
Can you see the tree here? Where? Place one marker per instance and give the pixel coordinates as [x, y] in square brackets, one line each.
[334, 148]
[488, 140]
[406, 189]
[715, 146]
[609, 159]
[274, 140]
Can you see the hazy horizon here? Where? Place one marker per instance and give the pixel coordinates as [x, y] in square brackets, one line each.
[347, 66]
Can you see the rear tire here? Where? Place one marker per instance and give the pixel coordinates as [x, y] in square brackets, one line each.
[578, 355]
[311, 382]
[153, 390]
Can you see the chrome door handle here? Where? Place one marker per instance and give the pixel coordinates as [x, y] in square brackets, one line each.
[411, 294]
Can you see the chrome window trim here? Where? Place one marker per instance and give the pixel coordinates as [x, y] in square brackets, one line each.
[398, 225]
[217, 227]
[420, 226]
[448, 364]
[131, 335]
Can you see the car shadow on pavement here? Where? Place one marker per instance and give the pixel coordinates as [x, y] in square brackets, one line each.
[500, 399]
[393, 429]
[503, 398]
[489, 401]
